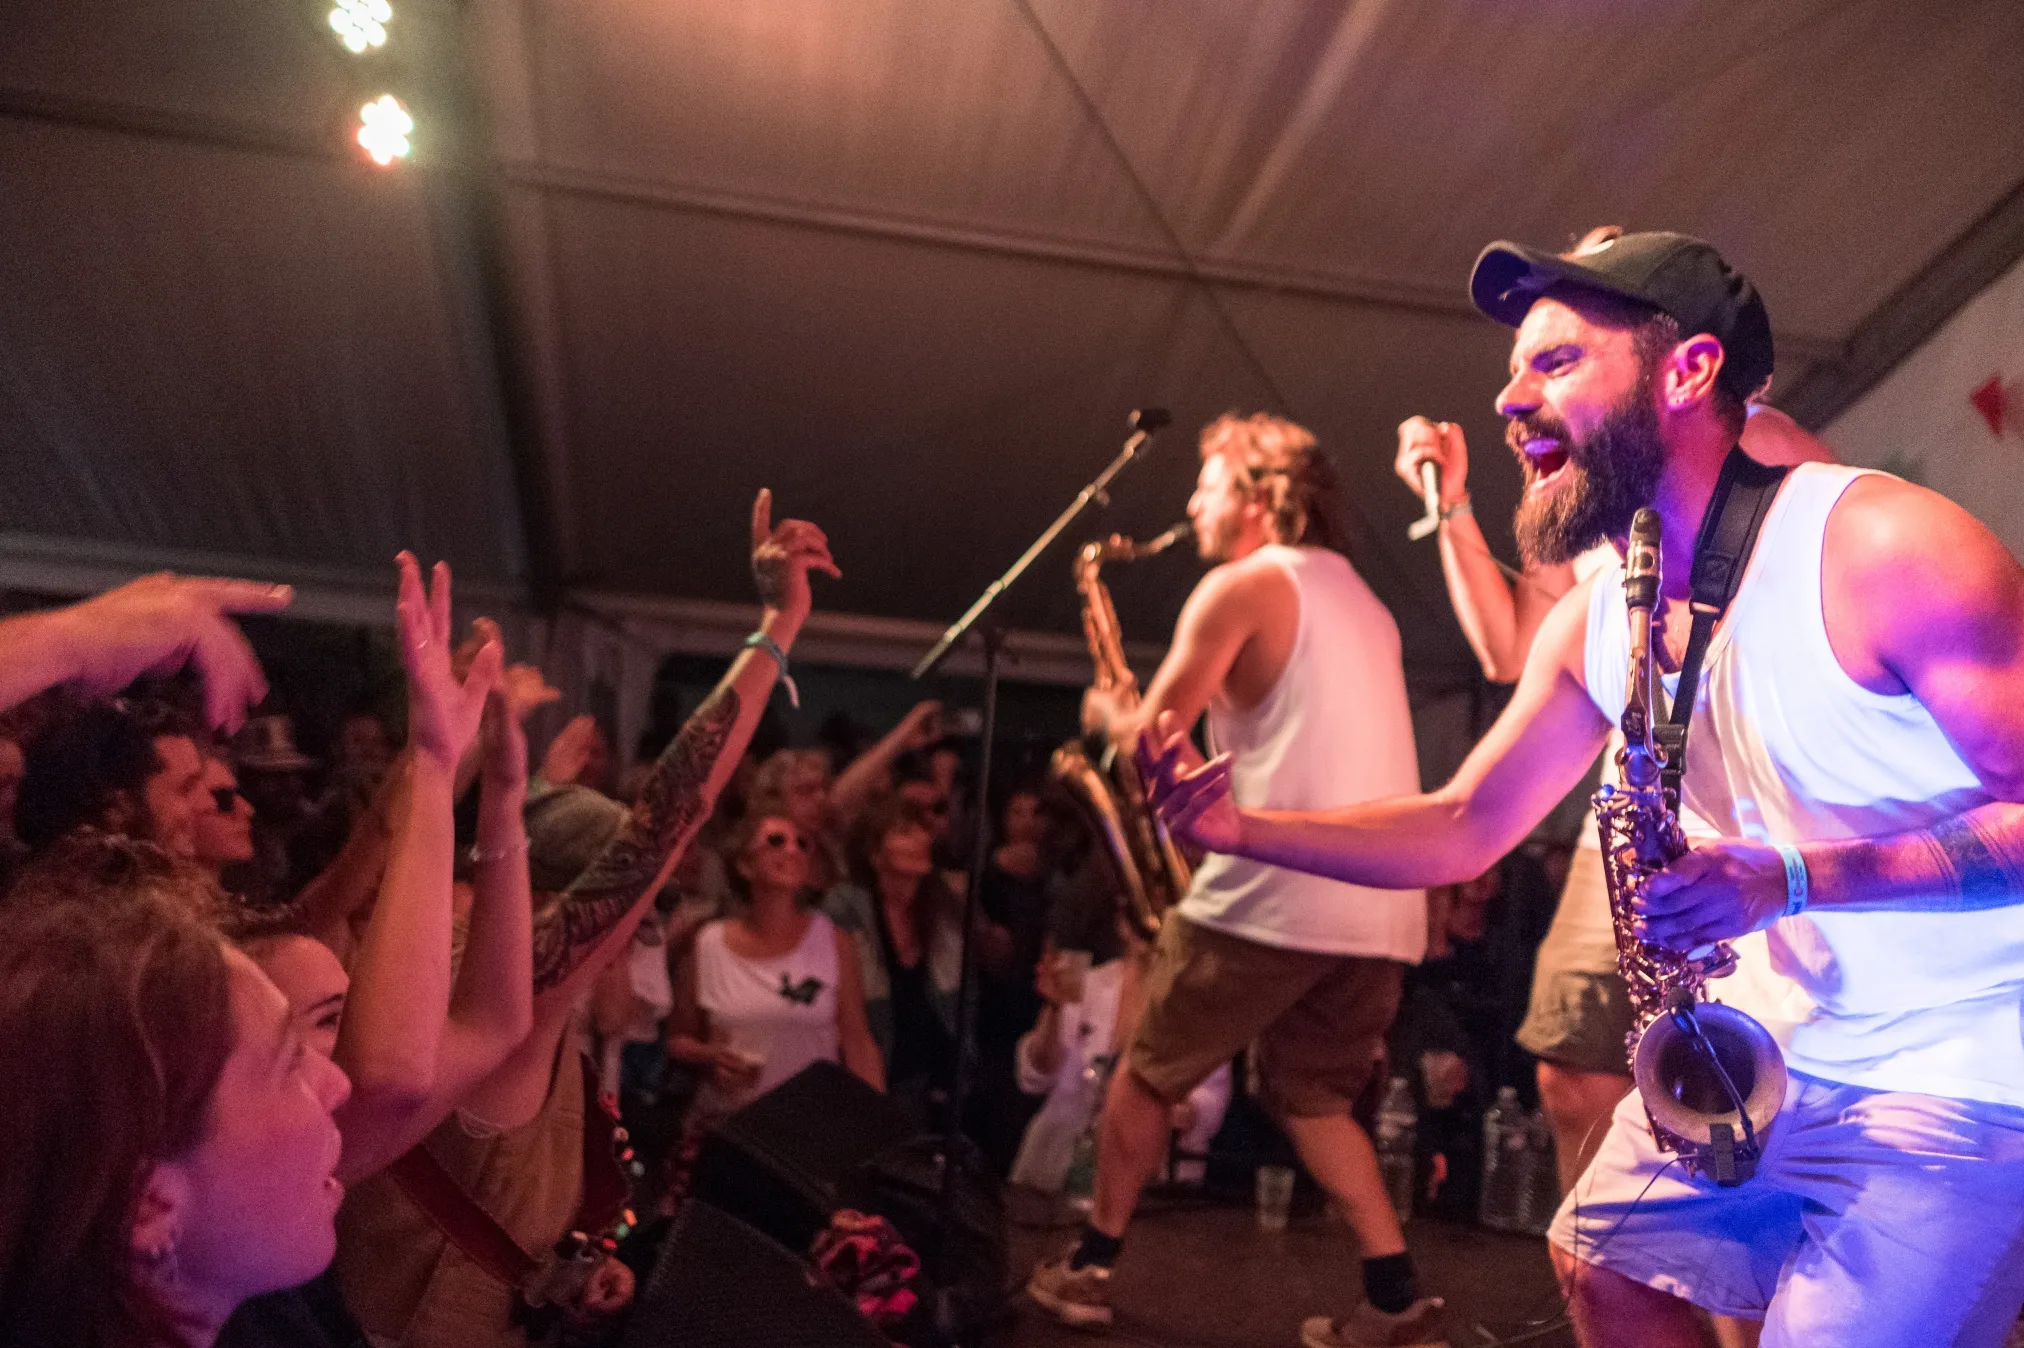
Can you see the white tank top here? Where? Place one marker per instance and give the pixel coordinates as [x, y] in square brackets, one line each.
[1785, 747]
[781, 1011]
[1334, 730]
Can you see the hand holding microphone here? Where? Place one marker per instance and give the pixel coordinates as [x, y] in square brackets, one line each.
[1433, 460]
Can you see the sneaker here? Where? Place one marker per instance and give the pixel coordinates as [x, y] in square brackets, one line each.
[1078, 1298]
[1420, 1325]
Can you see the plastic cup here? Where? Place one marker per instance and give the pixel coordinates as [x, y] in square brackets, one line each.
[1275, 1197]
[1071, 973]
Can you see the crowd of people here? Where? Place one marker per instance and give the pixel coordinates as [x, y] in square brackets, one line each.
[276, 1038]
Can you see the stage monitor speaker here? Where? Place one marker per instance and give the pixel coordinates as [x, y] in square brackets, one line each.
[824, 1140]
[721, 1284]
[783, 1162]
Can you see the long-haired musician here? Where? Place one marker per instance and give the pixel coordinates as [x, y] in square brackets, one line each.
[1297, 665]
[1852, 786]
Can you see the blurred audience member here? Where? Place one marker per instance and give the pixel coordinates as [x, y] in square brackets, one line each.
[1010, 936]
[224, 824]
[794, 784]
[908, 929]
[133, 770]
[1071, 1050]
[870, 774]
[274, 775]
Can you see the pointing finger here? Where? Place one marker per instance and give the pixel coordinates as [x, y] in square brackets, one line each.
[762, 517]
[243, 596]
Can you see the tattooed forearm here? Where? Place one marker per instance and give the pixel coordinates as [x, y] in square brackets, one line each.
[1973, 860]
[675, 799]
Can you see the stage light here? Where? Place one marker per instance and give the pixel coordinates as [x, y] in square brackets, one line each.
[383, 130]
[361, 24]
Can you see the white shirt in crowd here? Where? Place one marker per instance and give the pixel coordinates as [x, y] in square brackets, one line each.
[780, 1012]
[1087, 1031]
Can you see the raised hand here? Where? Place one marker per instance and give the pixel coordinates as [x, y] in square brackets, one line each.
[443, 712]
[1191, 797]
[783, 556]
[160, 623]
[504, 741]
[526, 690]
[1439, 443]
[570, 752]
[921, 726]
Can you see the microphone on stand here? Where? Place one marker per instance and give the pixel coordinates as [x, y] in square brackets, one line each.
[1430, 492]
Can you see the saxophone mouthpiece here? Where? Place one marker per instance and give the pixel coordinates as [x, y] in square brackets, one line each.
[1180, 533]
[1641, 561]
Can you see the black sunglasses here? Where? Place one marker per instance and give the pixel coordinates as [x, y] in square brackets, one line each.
[779, 838]
[225, 797]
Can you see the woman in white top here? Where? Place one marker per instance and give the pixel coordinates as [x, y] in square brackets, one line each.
[765, 993]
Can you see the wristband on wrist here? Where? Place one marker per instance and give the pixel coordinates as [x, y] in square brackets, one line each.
[482, 856]
[1795, 879]
[1465, 506]
[760, 641]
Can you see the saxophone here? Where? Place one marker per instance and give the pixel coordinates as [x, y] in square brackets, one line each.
[1711, 1078]
[1151, 871]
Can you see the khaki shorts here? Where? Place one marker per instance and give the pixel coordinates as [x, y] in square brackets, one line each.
[1580, 1013]
[1319, 1020]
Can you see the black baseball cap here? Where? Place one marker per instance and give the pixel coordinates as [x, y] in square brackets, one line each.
[1673, 273]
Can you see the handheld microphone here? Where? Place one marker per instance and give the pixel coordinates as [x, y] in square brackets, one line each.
[1430, 492]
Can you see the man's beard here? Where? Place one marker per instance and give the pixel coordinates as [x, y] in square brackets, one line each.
[1611, 474]
[1213, 544]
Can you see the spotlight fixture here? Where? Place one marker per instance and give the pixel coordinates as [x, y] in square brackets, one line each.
[384, 126]
[361, 24]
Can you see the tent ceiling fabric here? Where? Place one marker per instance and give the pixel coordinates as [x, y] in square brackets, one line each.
[882, 256]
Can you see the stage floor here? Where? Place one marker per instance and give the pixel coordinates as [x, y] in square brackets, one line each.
[1206, 1277]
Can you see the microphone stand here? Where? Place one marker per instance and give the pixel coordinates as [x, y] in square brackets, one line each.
[991, 636]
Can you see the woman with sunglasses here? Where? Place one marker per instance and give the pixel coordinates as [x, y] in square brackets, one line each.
[763, 994]
[225, 823]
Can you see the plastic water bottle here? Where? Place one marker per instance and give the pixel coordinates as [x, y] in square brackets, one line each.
[1397, 1126]
[1506, 1163]
[1078, 1186]
[1542, 1194]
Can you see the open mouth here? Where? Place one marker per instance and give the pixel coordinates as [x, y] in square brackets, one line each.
[1548, 461]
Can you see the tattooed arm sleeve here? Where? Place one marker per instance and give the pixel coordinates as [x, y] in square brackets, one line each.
[677, 798]
[1973, 860]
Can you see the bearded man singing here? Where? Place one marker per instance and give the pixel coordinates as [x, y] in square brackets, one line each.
[1852, 788]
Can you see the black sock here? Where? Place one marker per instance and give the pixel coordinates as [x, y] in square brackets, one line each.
[1095, 1248]
[1389, 1284]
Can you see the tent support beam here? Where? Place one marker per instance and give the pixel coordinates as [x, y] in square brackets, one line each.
[1901, 324]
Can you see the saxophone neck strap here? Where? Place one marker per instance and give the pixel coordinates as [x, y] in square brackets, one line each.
[1743, 496]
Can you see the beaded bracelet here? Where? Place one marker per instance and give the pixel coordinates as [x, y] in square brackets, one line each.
[480, 857]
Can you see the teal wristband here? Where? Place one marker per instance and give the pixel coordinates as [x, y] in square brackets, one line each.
[760, 641]
[1795, 879]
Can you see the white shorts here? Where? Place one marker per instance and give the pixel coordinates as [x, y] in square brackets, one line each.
[1876, 1219]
